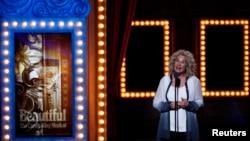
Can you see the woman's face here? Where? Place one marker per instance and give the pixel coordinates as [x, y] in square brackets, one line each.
[180, 64]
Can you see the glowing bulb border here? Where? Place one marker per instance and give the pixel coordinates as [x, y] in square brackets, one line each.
[224, 22]
[73, 26]
[166, 39]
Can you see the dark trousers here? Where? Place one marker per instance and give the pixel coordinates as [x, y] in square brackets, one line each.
[177, 136]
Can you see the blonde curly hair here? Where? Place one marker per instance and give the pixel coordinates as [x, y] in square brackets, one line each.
[191, 65]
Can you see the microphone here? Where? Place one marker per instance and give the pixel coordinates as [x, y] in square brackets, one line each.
[177, 80]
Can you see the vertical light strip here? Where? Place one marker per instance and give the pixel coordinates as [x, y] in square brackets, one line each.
[166, 40]
[245, 24]
[80, 63]
[7, 66]
[6, 80]
[101, 98]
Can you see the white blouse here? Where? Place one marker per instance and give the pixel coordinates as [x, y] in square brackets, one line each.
[181, 113]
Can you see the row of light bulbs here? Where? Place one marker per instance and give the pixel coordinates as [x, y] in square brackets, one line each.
[101, 80]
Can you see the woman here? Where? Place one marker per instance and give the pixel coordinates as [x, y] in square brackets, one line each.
[178, 97]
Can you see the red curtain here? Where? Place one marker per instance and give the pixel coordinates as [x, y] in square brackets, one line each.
[120, 14]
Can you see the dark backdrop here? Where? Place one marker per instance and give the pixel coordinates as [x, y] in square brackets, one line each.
[135, 119]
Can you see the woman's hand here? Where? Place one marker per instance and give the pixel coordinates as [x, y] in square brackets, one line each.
[180, 104]
[183, 103]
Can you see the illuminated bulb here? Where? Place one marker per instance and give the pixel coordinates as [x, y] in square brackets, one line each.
[101, 104]
[101, 113]
[141, 23]
[79, 33]
[166, 38]
[101, 86]
[6, 80]
[101, 51]
[70, 23]
[79, 61]
[101, 25]
[5, 52]
[101, 78]
[123, 90]
[166, 43]
[6, 43]
[79, 43]
[6, 61]
[6, 71]
[80, 107]
[6, 108]
[80, 80]
[123, 70]
[79, 51]
[51, 24]
[6, 117]
[100, 8]
[33, 23]
[212, 22]
[80, 135]
[80, 70]
[101, 60]
[7, 137]
[101, 43]
[6, 127]
[146, 22]
[79, 89]
[80, 117]
[61, 23]
[79, 24]
[100, 34]
[101, 121]
[79, 98]
[5, 24]
[6, 99]
[123, 74]
[80, 126]
[123, 85]
[101, 17]
[24, 24]
[42, 24]
[100, 69]
[6, 90]
[101, 130]
[101, 138]
[14, 24]
[153, 94]
[5, 33]
[101, 95]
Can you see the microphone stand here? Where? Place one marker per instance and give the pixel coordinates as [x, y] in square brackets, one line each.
[177, 84]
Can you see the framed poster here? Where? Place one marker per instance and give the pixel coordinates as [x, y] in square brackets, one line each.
[43, 70]
[43, 91]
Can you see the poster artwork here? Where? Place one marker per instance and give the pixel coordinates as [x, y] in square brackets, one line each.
[43, 93]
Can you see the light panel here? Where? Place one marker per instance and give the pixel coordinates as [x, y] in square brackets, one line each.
[130, 94]
[215, 22]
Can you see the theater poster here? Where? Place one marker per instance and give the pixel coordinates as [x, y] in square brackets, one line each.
[43, 91]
